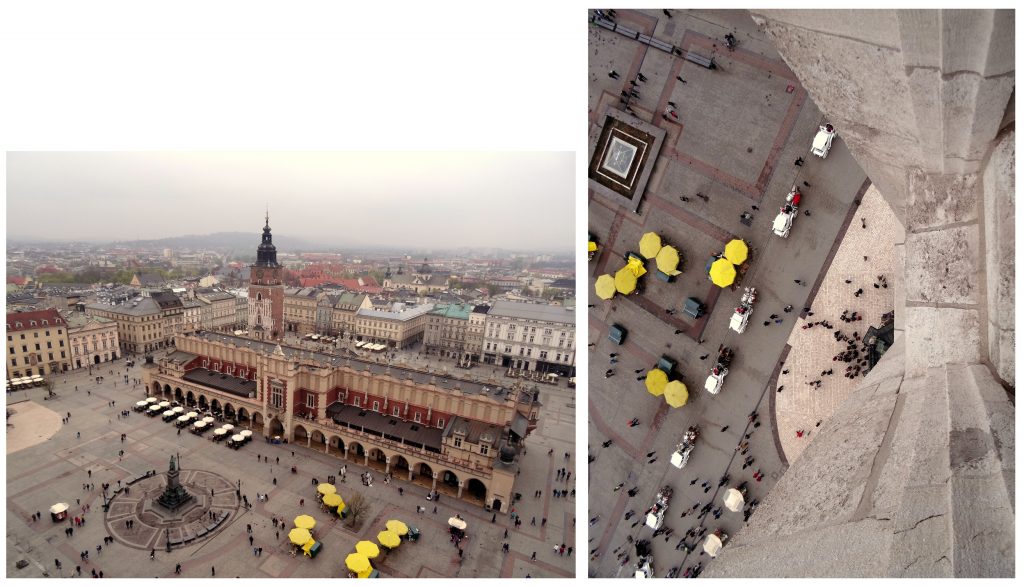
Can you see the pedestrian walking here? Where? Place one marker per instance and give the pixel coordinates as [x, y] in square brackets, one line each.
[613, 74]
[799, 162]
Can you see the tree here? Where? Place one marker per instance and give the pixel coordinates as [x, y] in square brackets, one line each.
[49, 384]
[357, 509]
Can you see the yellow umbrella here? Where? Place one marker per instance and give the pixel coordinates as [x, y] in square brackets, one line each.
[332, 500]
[358, 563]
[388, 539]
[723, 273]
[326, 488]
[591, 246]
[636, 266]
[367, 548]
[625, 281]
[365, 574]
[299, 536]
[650, 244]
[656, 381]
[605, 287]
[668, 260]
[305, 522]
[676, 394]
[736, 251]
[398, 527]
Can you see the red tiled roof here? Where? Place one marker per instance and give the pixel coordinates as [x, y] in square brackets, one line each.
[33, 320]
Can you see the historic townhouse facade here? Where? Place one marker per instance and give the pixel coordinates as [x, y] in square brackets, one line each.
[220, 309]
[447, 330]
[458, 437]
[141, 326]
[533, 337]
[37, 343]
[92, 339]
[397, 329]
[300, 309]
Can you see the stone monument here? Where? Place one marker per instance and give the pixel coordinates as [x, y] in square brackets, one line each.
[174, 495]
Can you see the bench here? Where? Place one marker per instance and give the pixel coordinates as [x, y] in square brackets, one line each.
[699, 60]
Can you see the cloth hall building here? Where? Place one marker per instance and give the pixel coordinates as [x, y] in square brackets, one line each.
[458, 437]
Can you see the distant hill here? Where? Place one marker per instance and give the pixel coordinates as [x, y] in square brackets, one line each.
[225, 241]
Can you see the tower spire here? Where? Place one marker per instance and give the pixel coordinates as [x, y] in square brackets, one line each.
[268, 215]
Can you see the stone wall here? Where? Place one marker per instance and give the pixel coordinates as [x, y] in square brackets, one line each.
[912, 477]
[999, 205]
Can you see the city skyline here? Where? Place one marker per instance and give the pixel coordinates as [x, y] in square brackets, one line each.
[528, 197]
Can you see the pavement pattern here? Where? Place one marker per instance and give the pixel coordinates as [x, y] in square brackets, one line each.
[739, 130]
[800, 406]
[85, 452]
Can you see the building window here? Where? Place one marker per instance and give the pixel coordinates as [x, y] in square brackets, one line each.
[355, 401]
[276, 395]
[396, 411]
[14, 363]
[62, 355]
[376, 406]
[440, 422]
[310, 400]
[458, 442]
[483, 449]
[416, 417]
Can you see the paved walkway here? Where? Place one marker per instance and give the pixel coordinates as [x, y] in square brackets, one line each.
[55, 470]
[30, 423]
[800, 406]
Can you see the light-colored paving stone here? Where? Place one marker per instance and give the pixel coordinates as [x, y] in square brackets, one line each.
[800, 406]
[30, 424]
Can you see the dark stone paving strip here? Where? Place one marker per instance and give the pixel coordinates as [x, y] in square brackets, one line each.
[773, 385]
[795, 106]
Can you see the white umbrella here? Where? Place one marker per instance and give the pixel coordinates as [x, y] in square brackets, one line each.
[733, 500]
[220, 431]
[58, 508]
[154, 408]
[192, 415]
[457, 523]
[178, 410]
[238, 438]
[228, 427]
[712, 544]
[246, 433]
[164, 404]
[168, 414]
[150, 400]
[183, 418]
[199, 424]
[142, 403]
[209, 419]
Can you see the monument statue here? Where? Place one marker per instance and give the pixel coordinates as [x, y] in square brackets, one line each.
[174, 495]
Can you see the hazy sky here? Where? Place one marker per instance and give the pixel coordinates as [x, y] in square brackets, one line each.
[515, 200]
